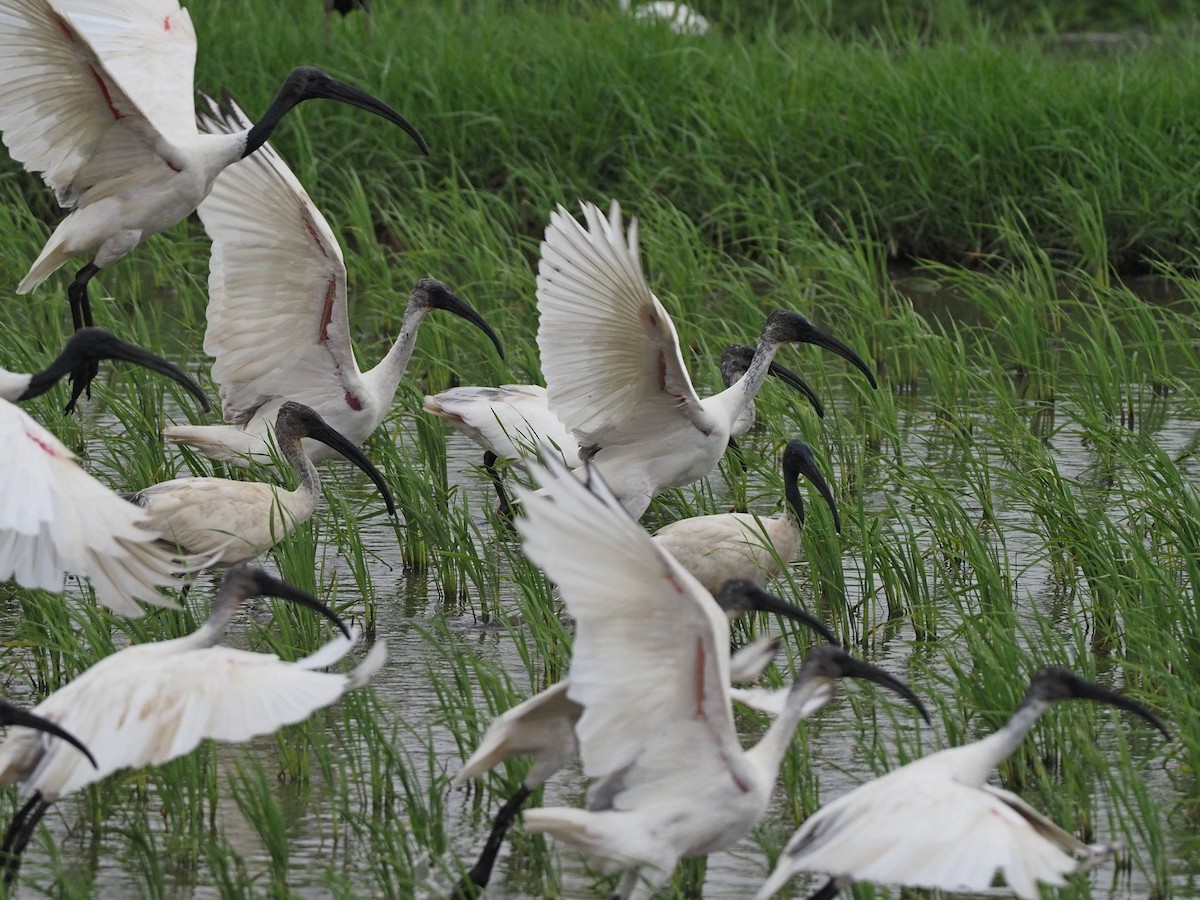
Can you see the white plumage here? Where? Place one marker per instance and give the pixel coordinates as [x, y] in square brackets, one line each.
[232, 521]
[149, 703]
[97, 98]
[614, 372]
[718, 547]
[650, 669]
[56, 518]
[278, 321]
[935, 823]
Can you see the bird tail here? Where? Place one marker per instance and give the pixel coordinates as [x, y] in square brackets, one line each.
[51, 259]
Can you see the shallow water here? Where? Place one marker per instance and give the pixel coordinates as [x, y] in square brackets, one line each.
[408, 609]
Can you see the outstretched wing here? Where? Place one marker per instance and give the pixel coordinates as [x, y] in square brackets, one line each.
[90, 87]
[56, 518]
[651, 658]
[277, 319]
[609, 350]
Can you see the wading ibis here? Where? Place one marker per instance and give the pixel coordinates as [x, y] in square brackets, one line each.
[278, 323]
[233, 521]
[650, 668]
[149, 703]
[614, 372]
[937, 824]
[97, 99]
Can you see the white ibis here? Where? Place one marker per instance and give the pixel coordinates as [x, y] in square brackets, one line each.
[650, 669]
[97, 99]
[679, 17]
[232, 521]
[88, 347]
[513, 420]
[278, 324]
[718, 547]
[544, 725]
[149, 703]
[613, 368]
[937, 824]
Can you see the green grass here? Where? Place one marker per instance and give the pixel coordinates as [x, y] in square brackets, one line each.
[951, 190]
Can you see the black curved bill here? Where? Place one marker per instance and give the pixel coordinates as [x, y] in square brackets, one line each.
[14, 715]
[822, 338]
[270, 586]
[460, 308]
[1086, 690]
[319, 431]
[738, 595]
[798, 457]
[330, 88]
[856, 668]
[788, 377]
[91, 345]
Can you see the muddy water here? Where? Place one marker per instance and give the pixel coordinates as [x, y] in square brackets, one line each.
[406, 612]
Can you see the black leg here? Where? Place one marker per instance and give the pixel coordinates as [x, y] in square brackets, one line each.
[828, 891]
[81, 316]
[481, 873]
[19, 832]
[505, 509]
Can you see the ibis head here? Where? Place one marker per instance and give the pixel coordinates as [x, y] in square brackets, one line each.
[295, 421]
[738, 596]
[735, 360]
[310, 83]
[1054, 683]
[245, 580]
[90, 346]
[784, 326]
[829, 662]
[798, 459]
[14, 715]
[436, 294]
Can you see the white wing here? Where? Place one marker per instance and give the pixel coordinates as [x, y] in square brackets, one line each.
[651, 661]
[90, 86]
[609, 350]
[512, 420]
[56, 518]
[277, 318]
[543, 725]
[143, 707]
[917, 827]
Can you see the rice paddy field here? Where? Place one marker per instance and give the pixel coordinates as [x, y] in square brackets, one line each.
[997, 208]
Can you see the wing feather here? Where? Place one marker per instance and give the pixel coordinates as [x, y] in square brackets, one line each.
[73, 107]
[56, 518]
[609, 350]
[278, 324]
[651, 645]
[150, 703]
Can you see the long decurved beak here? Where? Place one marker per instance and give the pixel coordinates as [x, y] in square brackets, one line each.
[790, 378]
[856, 668]
[799, 458]
[330, 88]
[14, 715]
[95, 344]
[461, 308]
[335, 440]
[1087, 690]
[763, 601]
[270, 586]
[822, 338]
